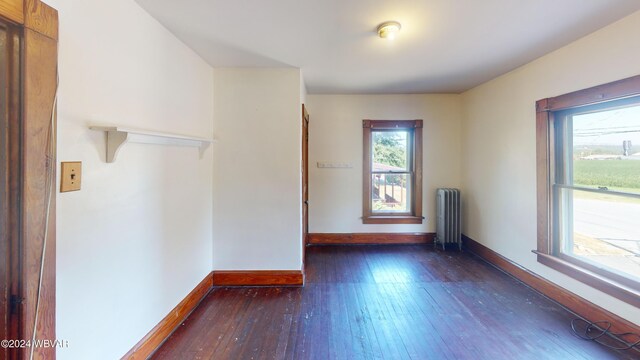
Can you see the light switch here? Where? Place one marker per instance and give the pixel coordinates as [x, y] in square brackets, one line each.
[71, 176]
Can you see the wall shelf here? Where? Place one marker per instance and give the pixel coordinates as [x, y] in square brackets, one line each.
[118, 136]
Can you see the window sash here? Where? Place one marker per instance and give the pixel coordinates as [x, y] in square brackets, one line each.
[563, 205]
[413, 171]
[407, 196]
[598, 191]
[391, 172]
[408, 148]
[548, 112]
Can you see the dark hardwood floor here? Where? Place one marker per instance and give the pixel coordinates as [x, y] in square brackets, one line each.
[384, 302]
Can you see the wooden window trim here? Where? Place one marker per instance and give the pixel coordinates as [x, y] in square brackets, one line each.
[623, 280]
[610, 283]
[415, 216]
[594, 279]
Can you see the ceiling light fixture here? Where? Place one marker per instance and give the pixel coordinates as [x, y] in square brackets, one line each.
[389, 29]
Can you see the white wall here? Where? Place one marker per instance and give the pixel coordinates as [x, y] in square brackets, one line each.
[257, 200]
[137, 238]
[335, 135]
[303, 90]
[499, 151]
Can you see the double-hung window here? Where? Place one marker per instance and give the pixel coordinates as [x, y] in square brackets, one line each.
[392, 172]
[589, 186]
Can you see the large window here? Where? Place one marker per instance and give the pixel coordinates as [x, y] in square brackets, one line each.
[392, 172]
[589, 186]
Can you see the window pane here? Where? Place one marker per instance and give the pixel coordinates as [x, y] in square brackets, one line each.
[606, 149]
[390, 150]
[601, 229]
[391, 193]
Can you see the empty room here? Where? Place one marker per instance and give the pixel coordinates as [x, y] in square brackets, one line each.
[308, 179]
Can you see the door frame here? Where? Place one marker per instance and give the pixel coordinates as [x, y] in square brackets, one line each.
[305, 182]
[35, 193]
[10, 182]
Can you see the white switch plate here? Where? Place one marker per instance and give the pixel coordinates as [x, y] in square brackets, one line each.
[334, 165]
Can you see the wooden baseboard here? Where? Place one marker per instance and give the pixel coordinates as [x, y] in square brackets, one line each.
[152, 341]
[564, 297]
[370, 238]
[258, 278]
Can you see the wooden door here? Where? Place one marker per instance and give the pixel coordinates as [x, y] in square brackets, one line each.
[305, 179]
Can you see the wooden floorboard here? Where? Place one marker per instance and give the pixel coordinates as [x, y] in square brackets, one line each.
[383, 302]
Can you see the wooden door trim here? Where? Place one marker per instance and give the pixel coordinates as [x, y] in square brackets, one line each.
[12, 10]
[39, 26]
[41, 18]
[39, 79]
[305, 181]
[31, 14]
[10, 204]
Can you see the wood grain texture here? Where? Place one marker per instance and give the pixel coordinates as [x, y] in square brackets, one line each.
[370, 238]
[391, 124]
[10, 187]
[569, 300]
[398, 219]
[581, 273]
[40, 81]
[609, 276]
[305, 178]
[5, 209]
[12, 10]
[258, 278]
[613, 90]
[383, 302]
[41, 18]
[154, 339]
[366, 169]
[416, 199]
[33, 165]
[543, 182]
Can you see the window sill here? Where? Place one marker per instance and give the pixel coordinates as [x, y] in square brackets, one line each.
[606, 285]
[402, 219]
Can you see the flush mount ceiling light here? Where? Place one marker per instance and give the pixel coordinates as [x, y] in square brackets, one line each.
[389, 29]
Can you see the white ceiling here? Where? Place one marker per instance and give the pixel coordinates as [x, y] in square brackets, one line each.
[445, 46]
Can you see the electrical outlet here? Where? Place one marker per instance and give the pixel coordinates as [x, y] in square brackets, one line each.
[71, 176]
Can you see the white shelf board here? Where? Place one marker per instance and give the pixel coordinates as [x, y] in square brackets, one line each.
[118, 136]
